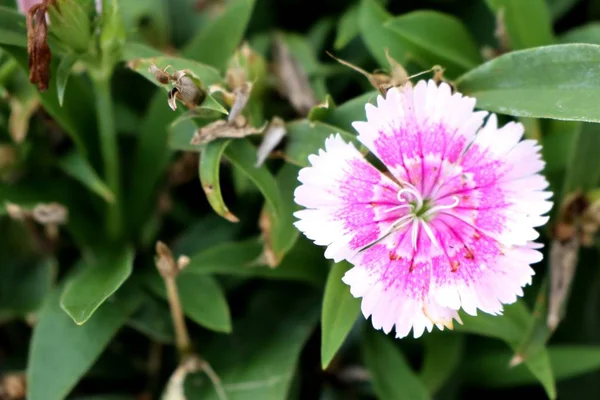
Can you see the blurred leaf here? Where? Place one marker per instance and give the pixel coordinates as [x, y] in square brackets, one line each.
[492, 369]
[589, 33]
[559, 8]
[583, 171]
[559, 82]
[353, 110]
[434, 38]
[259, 360]
[77, 115]
[202, 300]
[371, 19]
[443, 354]
[303, 262]
[62, 352]
[340, 310]
[205, 73]
[62, 75]
[321, 111]
[24, 286]
[153, 319]
[281, 234]
[347, 28]
[206, 232]
[76, 166]
[511, 327]
[305, 138]
[12, 28]
[391, 375]
[218, 40]
[135, 50]
[527, 23]
[209, 168]
[95, 282]
[242, 154]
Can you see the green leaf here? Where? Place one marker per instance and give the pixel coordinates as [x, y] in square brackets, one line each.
[62, 75]
[583, 173]
[209, 168]
[259, 360]
[353, 110]
[12, 28]
[567, 361]
[24, 285]
[321, 111]
[588, 33]
[371, 19]
[559, 82]
[76, 166]
[205, 73]
[242, 154]
[62, 352]
[559, 8]
[202, 300]
[305, 138]
[304, 262]
[443, 353]
[347, 28]
[218, 40]
[96, 282]
[340, 310]
[511, 327]
[153, 319]
[77, 115]
[434, 38]
[527, 23]
[391, 375]
[282, 234]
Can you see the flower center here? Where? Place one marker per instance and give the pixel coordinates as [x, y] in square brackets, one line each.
[420, 213]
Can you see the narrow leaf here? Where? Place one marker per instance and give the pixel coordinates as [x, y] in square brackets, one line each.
[62, 75]
[340, 310]
[392, 377]
[75, 165]
[209, 167]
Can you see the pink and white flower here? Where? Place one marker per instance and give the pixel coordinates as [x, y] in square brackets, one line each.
[450, 226]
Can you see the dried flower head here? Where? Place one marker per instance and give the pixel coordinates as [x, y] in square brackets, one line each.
[453, 227]
[37, 46]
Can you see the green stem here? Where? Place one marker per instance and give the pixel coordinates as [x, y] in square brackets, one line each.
[109, 149]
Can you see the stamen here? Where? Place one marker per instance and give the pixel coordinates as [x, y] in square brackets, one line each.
[441, 207]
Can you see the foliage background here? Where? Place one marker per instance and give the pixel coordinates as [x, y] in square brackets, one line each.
[268, 332]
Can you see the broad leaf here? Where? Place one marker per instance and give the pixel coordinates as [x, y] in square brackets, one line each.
[434, 38]
[527, 23]
[560, 82]
[62, 352]
[95, 282]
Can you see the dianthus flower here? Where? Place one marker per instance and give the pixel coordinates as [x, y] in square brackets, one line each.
[449, 225]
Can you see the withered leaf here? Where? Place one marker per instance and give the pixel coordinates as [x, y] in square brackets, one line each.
[562, 263]
[273, 136]
[37, 46]
[293, 80]
[242, 94]
[223, 129]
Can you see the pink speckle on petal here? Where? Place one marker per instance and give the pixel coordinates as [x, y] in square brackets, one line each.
[453, 230]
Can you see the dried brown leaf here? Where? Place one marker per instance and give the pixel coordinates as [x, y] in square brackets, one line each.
[293, 80]
[268, 256]
[222, 129]
[50, 214]
[20, 114]
[562, 261]
[37, 46]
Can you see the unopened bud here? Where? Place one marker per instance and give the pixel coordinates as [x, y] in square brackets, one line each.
[164, 260]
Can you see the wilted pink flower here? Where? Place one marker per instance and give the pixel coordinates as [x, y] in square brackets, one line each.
[451, 226]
